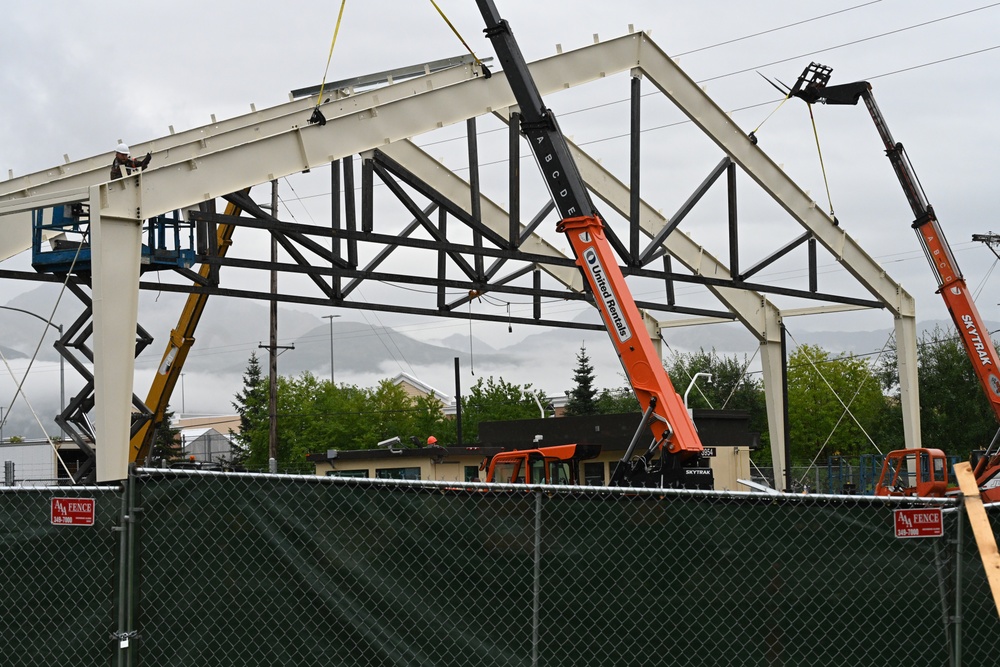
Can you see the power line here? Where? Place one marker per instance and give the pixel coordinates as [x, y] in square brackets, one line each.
[852, 43]
[779, 28]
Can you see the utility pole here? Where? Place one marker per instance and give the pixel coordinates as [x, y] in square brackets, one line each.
[272, 346]
[272, 399]
[333, 375]
[991, 240]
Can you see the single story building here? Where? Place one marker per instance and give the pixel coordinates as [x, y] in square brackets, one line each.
[724, 433]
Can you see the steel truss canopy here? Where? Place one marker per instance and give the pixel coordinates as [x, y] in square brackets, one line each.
[475, 245]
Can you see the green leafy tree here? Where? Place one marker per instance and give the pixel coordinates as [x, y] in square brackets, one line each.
[496, 400]
[819, 388]
[731, 388]
[316, 415]
[617, 401]
[583, 396]
[950, 395]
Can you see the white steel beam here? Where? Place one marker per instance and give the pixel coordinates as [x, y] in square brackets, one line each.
[771, 365]
[906, 363]
[245, 155]
[225, 134]
[254, 159]
[494, 217]
[703, 112]
[115, 243]
[760, 317]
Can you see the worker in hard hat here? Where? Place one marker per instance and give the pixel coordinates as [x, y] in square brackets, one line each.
[124, 159]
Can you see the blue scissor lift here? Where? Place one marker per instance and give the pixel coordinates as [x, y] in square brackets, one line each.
[61, 245]
[169, 241]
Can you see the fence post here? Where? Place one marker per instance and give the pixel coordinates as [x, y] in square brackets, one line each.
[959, 553]
[126, 635]
[537, 592]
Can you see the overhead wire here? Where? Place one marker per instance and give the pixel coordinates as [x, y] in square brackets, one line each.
[852, 42]
[777, 29]
[869, 38]
[19, 391]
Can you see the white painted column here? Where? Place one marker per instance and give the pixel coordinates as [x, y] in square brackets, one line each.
[115, 246]
[770, 354]
[909, 392]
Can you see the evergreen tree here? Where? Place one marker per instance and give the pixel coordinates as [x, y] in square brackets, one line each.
[251, 405]
[166, 446]
[583, 396]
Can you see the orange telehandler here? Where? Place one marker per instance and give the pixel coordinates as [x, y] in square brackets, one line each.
[923, 471]
[673, 456]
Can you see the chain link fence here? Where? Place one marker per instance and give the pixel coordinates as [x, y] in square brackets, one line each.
[252, 569]
[58, 581]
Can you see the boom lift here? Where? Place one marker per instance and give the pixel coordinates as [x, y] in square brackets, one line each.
[923, 471]
[178, 345]
[675, 448]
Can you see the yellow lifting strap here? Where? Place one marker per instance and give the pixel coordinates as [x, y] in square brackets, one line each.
[753, 134]
[822, 166]
[317, 115]
[479, 62]
[336, 30]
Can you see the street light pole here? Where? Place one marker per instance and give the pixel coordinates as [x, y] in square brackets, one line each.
[333, 379]
[691, 386]
[62, 361]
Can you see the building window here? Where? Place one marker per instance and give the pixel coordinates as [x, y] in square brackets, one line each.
[397, 473]
[347, 473]
[471, 473]
[593, 474]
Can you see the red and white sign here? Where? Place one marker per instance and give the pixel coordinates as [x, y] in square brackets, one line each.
[919, 522]
[73, 511]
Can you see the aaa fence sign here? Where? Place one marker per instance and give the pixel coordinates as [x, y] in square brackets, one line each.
[919, 522]
[73, 511]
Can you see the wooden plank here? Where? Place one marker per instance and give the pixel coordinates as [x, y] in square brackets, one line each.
[985, 539]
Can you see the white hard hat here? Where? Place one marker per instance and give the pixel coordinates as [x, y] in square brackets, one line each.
[122, 148]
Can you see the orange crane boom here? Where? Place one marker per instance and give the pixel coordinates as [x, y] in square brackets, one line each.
[923, 471]
[675, 444]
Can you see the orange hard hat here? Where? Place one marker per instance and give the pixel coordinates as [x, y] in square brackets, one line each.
[432, 440]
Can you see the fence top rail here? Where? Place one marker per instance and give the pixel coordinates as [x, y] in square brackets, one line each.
[61, 488]
[549, 489]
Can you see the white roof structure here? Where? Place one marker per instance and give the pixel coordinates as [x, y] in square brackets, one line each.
[216, 160]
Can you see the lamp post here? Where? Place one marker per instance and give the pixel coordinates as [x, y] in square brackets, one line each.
[691, 386]
[333, 379]
[62, 366]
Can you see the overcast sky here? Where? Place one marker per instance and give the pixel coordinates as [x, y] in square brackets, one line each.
[80, 76]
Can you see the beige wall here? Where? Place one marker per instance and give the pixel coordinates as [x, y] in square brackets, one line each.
[221, 423]
[450, 470]
[729, 465]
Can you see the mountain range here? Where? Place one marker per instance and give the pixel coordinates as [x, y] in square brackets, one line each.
[365, 350]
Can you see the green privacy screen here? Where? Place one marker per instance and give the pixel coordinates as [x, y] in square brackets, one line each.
[227, 569]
